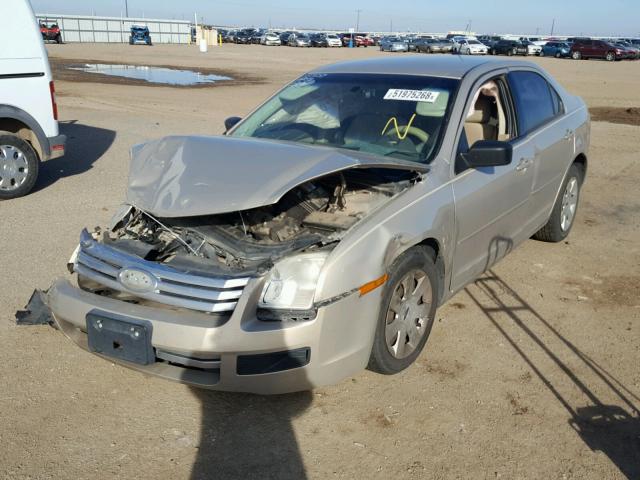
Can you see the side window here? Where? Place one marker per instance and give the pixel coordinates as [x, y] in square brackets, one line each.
[558, 107]
[533, 101]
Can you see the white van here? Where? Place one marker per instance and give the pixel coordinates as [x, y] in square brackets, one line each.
[28, 111]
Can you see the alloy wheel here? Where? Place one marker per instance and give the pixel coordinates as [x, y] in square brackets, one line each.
[569, 204]
[408, 312]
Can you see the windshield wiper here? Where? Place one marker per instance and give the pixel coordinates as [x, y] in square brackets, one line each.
[401, 152]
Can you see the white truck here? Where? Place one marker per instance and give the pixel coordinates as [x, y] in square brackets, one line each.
[28, 112]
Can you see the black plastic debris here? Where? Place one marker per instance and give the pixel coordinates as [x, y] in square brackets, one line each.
[36, 312]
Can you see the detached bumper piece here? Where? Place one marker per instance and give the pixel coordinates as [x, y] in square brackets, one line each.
[36, 311]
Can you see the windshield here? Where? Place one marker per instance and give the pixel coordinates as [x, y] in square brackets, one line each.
[474, 42]
[389, 115]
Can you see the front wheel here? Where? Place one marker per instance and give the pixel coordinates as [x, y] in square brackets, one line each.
[564, 210]
[558, 54]
[407, 311]
[610, 56]
[542, 53]
[576, 55]
[19, 166]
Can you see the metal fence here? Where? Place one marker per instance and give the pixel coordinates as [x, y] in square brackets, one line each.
[91, 29]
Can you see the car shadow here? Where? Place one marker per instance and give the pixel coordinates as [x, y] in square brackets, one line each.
[610, 429]
[249, 436]
[85, 145]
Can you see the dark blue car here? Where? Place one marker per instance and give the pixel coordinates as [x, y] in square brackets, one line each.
[139, 34]
[556, 49]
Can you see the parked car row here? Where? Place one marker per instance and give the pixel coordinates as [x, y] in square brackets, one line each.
[576, 48]
[296, 39]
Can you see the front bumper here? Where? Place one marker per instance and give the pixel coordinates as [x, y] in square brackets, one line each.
[339, 339]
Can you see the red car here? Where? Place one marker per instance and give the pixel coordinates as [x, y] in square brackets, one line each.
[51, 32]
[358, 40]
[367, 41]
[587, 48]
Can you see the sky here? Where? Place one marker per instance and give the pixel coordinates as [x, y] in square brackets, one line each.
[572, 17]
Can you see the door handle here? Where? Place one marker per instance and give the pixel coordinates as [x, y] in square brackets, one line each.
[523, 164]
[568, 135]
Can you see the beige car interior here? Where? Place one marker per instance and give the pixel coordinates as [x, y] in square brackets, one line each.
[486, 119]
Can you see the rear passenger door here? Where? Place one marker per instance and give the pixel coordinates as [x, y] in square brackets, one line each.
[543, 126]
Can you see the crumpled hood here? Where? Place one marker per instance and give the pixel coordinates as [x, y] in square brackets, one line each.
[183, 176]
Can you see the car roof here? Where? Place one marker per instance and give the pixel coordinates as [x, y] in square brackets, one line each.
[451, 66]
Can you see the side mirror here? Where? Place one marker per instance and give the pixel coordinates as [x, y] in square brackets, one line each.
[230, 122]
[488, 153]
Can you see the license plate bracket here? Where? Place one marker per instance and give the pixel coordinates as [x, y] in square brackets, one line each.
[122, 338]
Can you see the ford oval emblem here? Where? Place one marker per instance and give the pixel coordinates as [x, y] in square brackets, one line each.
[137, 280]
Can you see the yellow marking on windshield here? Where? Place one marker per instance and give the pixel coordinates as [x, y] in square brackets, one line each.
[394, 120]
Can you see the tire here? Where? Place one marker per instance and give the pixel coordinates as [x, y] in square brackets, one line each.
[542, 53]
[576, 55]
[16, 155]
[415, 262]
[610, 57]
[554, 230]
[509, 53]
[59, 39]
[558, 55]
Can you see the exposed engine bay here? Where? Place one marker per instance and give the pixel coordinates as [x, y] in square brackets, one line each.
[313, 215]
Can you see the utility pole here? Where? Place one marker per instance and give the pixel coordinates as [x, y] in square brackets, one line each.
[468, 27]
[358, 20]
[553, 25]
[126, 8]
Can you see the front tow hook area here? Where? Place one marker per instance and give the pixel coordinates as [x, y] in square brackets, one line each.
[36, 311]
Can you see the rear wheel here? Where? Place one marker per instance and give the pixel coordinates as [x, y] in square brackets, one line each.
[18, 167]
[564, 210]
[59, 39]
[407, 311]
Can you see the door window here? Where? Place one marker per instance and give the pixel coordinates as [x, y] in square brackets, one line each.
[533, 100]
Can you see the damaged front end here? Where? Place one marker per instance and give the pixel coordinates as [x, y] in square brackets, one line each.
[184, 286]
[230, 247]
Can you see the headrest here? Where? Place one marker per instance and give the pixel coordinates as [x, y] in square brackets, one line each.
[435, 109]
[481, 110]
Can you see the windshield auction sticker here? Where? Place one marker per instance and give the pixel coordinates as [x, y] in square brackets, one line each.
[412, 95]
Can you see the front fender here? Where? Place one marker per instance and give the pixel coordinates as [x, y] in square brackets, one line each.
[365, 253]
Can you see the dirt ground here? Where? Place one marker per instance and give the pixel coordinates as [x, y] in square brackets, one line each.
[532, 372]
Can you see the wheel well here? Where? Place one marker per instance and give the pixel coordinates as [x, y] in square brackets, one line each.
[438, 260]
[22, 131]
[581, 161]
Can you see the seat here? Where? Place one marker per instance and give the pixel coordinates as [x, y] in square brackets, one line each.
[479, 125]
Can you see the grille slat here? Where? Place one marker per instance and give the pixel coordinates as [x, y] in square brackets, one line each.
[102, 264]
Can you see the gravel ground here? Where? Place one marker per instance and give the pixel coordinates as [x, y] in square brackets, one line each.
[532, 372]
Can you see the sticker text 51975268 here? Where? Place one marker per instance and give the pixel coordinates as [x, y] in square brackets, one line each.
[412, 95]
